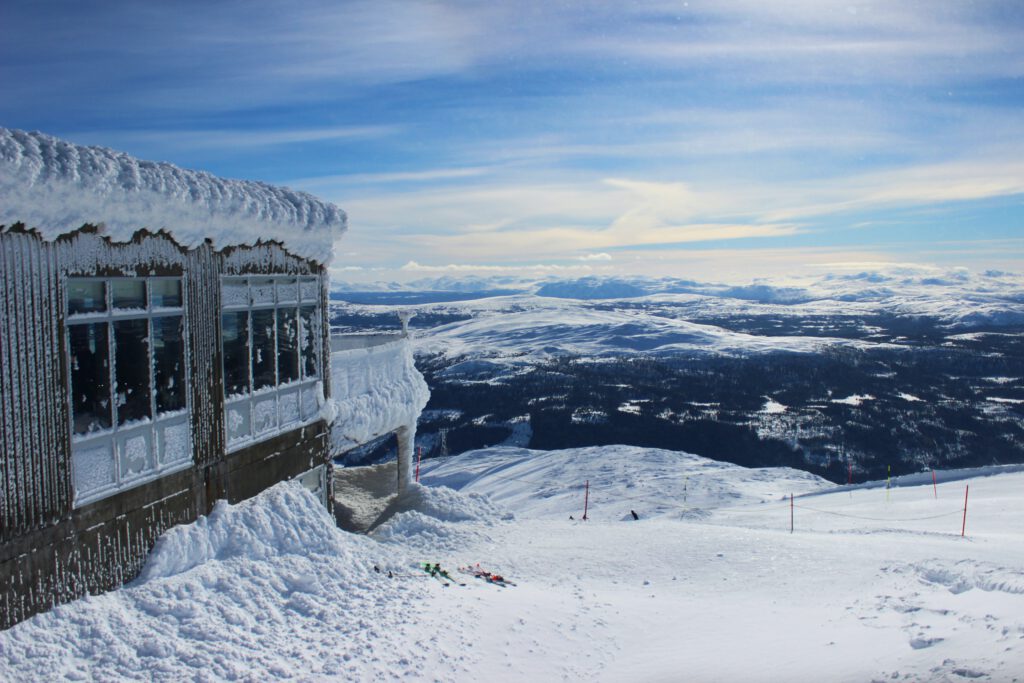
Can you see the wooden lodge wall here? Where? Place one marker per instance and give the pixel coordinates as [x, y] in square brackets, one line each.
[51, 552]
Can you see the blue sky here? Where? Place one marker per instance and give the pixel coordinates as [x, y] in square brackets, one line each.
[719, 140]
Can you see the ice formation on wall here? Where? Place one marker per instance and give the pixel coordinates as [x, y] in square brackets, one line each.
[375, 390]
[56, 186]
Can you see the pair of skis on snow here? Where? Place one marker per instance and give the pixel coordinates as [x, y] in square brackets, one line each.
[435, 571]
[490, 577]
[476, 571]
[442, 575]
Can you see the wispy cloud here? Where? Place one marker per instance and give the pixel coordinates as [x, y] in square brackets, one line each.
[431, 175]
[413, 266]
[236, 138]
[560, 133]
[911, 186]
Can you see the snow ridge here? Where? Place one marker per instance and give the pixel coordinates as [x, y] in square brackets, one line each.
[56, 186]
[285, 519]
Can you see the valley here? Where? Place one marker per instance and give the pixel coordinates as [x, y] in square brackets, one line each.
[852, 386]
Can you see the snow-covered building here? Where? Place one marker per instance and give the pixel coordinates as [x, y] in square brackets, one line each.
[164, 343]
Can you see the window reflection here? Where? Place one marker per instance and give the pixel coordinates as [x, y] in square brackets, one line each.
[287, 346]
[235, 336]
[131, 370]
[262, 349]
[165, 293]
[169, 363]
[90, 378]
[128, 293]
[86, 296]
[308, 339]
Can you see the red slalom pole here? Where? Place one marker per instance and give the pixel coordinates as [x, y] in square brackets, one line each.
[963, 529]
[586, 498]
[849, 478]
[934, 485]
[419, 454]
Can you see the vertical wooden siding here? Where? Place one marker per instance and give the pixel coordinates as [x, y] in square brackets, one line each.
[36, 486]
[202, 308]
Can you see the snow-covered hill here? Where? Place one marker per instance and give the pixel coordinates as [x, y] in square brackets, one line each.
[667, 316]
[956, 295]
[523, 329]
[708, 584]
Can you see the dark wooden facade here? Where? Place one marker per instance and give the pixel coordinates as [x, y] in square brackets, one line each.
[50, 550]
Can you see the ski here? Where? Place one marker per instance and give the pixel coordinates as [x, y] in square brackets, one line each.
[442, 575]
[489, 577]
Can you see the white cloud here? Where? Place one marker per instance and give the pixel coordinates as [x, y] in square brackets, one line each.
[234, 138]
[480, 268]
[921, 185]
[430, 175]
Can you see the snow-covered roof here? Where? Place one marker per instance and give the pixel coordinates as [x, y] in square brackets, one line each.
[56, 186]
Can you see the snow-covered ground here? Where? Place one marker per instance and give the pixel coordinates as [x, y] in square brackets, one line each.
[525, 328]
[709, 584]
[656, 316]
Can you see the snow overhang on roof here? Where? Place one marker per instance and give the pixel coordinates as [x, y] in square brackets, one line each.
[56, 187]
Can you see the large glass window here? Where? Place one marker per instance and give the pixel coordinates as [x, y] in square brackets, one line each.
[132, 374]
[271, 335]
[90, 378]
[128, 382]
[168, 337]
[287, 345]
[263, 360]
[234, 328]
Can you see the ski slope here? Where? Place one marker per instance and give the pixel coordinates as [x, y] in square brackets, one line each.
[708, 585]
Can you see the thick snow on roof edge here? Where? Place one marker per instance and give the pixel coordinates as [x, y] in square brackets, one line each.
[56, 186]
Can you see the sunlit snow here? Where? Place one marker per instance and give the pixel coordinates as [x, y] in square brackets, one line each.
[708, 584]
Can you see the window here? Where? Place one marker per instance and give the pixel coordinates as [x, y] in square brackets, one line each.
[128, 383]
[271, 334]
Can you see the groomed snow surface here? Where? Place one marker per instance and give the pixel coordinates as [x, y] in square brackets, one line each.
[708, 585]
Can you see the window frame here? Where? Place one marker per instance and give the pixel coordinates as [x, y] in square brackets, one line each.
[119, 442]
[261, 411]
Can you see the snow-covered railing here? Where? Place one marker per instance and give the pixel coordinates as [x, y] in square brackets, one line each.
[347, 342]
[375, 389]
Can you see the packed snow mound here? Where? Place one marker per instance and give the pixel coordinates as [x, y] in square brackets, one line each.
[56, 186]
[446, 505]
[649, 481]
[429, 518]
[289, 597]
[284, 519]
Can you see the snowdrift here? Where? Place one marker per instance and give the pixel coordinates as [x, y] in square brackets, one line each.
[871, 585]
[56, 186]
